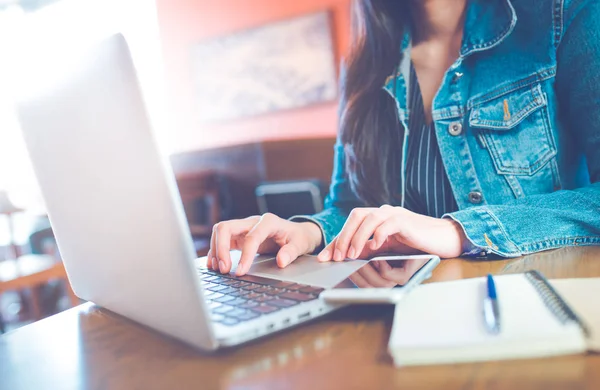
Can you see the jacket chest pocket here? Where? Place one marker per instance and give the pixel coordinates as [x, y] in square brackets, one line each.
[515, 129]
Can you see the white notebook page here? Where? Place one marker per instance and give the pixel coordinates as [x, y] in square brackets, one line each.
[443, 322]
[583, 296]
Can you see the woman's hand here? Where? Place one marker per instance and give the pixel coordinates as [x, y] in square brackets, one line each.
[261, 235]
[394, 230]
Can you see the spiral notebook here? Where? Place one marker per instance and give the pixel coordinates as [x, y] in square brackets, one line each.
[443, 323]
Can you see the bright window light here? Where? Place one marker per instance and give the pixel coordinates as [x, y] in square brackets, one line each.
[71, 24]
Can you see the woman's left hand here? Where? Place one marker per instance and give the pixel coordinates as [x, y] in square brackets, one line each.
[368, 231]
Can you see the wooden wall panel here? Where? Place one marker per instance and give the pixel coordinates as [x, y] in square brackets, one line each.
[299, 159]
[243, 167]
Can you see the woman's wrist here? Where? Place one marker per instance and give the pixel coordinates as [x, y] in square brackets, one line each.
[467, 246]
[314, 235]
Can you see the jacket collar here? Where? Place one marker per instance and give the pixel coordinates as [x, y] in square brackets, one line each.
[487, 23]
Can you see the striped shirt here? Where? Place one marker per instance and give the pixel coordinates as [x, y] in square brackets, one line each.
[428, 189]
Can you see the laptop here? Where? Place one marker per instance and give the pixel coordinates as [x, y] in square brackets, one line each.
[118, 219]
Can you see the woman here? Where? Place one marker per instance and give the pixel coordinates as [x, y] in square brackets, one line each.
[467, 128]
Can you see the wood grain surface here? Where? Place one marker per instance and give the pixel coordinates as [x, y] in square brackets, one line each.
[90, 348]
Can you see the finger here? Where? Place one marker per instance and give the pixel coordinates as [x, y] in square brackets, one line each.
[352, 224]
[265, 228]
[288, 253]
[374, 278]
[225, 231]
[365, 231]
[367, 252]
[327, 252]
[209, 260]
[212, 251]
[359, 281]
[391, 226]
[331, 251]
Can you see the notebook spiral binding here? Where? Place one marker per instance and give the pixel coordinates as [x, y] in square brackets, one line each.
[554, 301]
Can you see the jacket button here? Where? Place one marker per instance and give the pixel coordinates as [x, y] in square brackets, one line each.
[455, 128]
[457, 76]
[475, 197]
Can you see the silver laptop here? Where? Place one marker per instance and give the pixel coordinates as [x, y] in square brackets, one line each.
[118, 218]
[119, 221]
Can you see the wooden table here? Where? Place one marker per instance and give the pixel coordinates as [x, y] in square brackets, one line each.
[88, 347]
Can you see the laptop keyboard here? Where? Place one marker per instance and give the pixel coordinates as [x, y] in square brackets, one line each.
[232, 299]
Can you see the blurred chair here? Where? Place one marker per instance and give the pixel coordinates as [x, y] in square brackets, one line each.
[42, 242]
[29, 275]
[201, 197]
[290, 198]
[7, 208]
[29, 272]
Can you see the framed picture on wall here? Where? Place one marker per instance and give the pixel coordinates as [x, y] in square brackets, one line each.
[282, 65]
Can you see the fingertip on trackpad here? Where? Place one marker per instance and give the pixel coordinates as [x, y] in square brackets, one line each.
[307, 270]
[237, 255]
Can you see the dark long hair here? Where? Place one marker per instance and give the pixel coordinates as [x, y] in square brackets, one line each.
[369, 126]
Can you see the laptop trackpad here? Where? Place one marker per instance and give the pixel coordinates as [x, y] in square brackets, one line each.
[303, 270]
[306, 270]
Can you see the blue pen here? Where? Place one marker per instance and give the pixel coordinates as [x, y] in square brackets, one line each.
[491, 309]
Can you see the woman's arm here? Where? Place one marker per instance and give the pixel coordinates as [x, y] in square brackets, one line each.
[338, 204]
[562, 218]
[525, 225]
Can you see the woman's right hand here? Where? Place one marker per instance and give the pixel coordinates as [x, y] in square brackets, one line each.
[261, 235]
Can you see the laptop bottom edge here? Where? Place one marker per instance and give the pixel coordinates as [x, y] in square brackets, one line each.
[271, 324]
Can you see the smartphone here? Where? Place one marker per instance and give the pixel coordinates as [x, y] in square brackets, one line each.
[384, 279]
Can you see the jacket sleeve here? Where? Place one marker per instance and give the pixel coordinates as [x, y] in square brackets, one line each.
[338, 204]
[566, 217]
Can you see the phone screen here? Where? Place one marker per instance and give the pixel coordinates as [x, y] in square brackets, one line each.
[384, 273]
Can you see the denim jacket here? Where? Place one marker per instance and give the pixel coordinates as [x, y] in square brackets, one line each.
[517, 118]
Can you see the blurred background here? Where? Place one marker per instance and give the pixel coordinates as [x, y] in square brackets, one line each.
[242, 96]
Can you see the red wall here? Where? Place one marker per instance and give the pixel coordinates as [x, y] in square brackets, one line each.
[183, 23]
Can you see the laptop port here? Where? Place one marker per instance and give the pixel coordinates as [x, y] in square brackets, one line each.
[304, 316]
